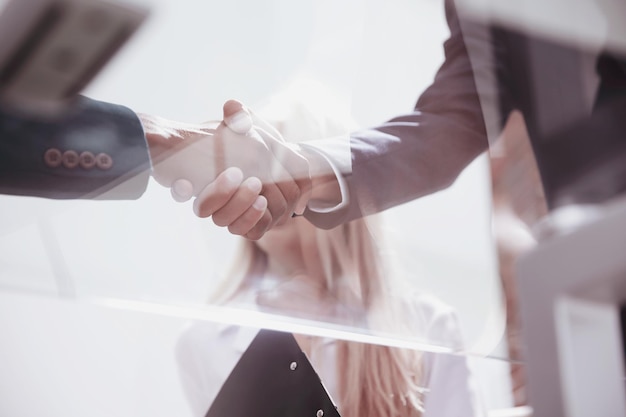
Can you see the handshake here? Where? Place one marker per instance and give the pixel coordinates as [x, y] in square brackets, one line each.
[241, 171]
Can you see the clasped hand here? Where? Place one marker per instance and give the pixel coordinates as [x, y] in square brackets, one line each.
[240, 170]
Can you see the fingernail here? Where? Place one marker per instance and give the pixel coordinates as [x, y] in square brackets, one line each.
[254, 184]
[260, 203]
[234, 176]
[240, 122]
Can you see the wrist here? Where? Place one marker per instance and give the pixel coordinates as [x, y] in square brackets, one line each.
[325, 187]
[158, 137]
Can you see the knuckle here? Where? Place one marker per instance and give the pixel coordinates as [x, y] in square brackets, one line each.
[260, 227]
[278, 208]
[257, 231]
[296, 193]
[252, 236]
[237, 229]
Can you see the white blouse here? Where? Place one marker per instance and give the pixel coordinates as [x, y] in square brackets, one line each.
[207, 352]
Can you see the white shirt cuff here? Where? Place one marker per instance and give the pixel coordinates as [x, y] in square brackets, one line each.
[336, 151]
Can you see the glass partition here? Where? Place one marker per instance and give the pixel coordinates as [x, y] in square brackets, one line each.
[152, 250]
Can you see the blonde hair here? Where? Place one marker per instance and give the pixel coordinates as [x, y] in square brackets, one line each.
[374, 380]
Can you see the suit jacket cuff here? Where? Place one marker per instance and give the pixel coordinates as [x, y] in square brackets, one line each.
[94, 150]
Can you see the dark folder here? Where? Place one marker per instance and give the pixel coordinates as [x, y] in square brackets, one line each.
[273, 378]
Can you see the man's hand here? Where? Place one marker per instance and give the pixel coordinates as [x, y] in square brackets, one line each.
[283, 173]
[245, 176]
[180, 150]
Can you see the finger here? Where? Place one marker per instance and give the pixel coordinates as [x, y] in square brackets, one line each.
[237, 117]
[298, 167]
[306, 190]
[182, 190]
[231, 107]
[281, 207]
[262, 226]
[254, 222]
[291, 195]
[276, 203]
[295, 176]
[215, 195]
[239, 203]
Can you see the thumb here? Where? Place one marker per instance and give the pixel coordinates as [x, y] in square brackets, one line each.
[182, 190]
[237, 117]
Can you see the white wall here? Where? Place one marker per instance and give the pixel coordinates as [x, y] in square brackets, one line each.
[77, 358]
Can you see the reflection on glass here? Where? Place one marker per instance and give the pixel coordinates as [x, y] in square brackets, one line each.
[552, 75]
[518, 204]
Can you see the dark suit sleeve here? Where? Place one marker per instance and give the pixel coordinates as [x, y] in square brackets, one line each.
[423, 151]
[94, 150]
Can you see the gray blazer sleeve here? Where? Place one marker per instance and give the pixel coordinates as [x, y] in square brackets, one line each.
[420, 152]
[95, 150]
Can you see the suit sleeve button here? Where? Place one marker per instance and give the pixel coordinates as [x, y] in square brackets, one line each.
[53, 157]
[70, 159]
[104, 161]
[87, 160]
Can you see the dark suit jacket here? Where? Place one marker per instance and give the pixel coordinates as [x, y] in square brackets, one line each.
[92, 149]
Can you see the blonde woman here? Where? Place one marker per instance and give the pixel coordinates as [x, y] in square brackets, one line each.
[334, 275]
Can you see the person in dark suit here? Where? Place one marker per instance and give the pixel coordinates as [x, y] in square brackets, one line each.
[98, 150]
